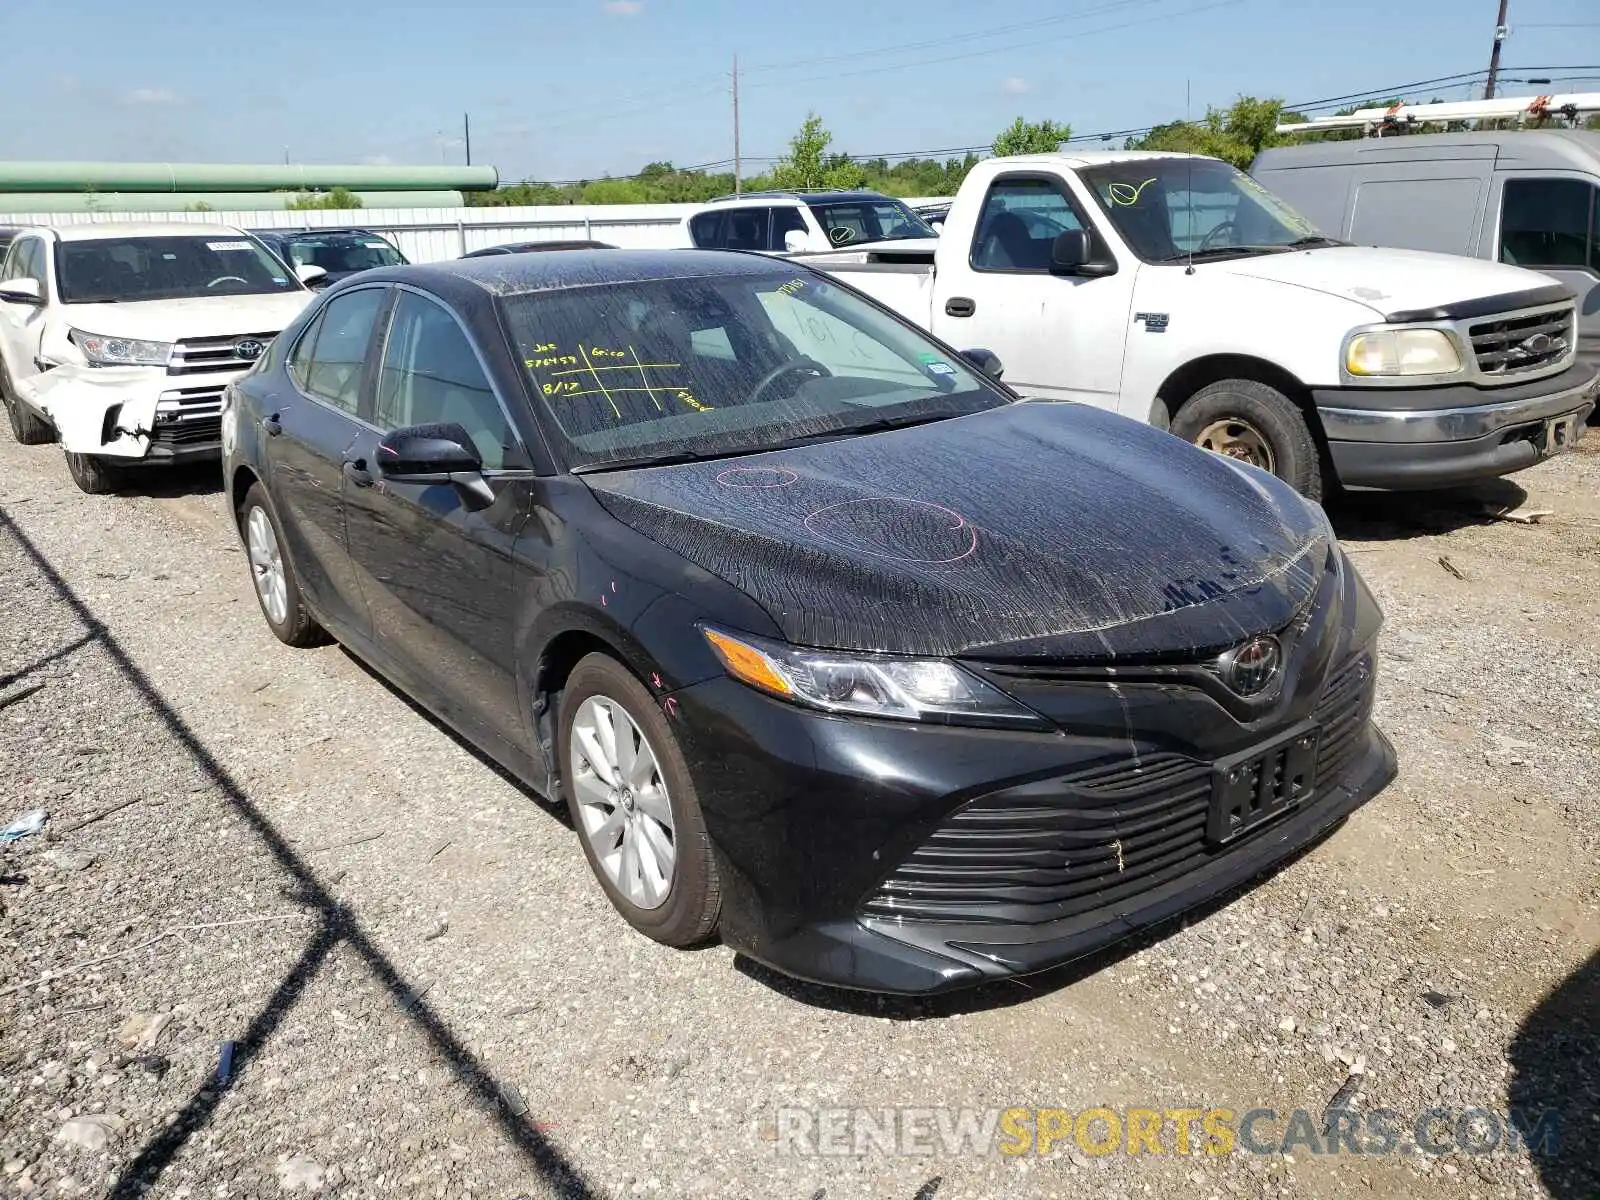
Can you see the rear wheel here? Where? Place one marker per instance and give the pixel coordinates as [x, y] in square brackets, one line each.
[1257, 424]
[26, 425]
[94, 475]
[276, 584]
[634, 805]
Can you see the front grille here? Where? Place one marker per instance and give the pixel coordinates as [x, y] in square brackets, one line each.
[189, 433]
[1502, 346]
[201, 355]
[1064, 847]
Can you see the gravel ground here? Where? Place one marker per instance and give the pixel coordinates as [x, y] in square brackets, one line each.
[283, 934]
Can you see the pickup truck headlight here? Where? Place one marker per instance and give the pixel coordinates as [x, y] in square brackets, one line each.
[906, 689]
[1402, 352]
[102, 351]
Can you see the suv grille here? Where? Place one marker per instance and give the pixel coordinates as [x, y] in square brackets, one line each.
[197, 356]
[1100, 837]
[1513, 345]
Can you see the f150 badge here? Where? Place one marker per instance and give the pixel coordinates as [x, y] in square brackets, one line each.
[1153, 322]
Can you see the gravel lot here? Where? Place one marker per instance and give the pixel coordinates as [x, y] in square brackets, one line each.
[264, 864]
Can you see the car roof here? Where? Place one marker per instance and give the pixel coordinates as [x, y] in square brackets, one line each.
[314, 233]
[111, 230]
[520, 274]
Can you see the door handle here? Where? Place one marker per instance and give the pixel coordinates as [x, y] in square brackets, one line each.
[356, 472]
[960, 306]
[271, 426]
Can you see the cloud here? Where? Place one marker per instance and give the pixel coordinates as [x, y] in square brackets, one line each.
[152, 96]
[1015, 85]
[623, 8]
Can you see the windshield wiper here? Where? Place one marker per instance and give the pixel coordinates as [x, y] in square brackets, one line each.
[1316, 239]
[1218, 252]
[656, 460]
[877, 425]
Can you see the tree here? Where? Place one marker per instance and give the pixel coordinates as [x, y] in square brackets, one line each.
[809, 166]
[1037, 137]
[340, 198]
[1235, 134]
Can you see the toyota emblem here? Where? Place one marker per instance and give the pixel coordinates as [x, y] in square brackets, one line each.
[1252, 668]
[249, 349]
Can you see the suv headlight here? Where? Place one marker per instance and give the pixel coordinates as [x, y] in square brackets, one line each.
[905, 689]
[103, 351]
[1401, 352]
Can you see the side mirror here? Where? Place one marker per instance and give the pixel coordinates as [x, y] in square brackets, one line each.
[986, 361]
[310, 275]
[1072, 253]
[796, 241]
[22, 291]
[424, 451]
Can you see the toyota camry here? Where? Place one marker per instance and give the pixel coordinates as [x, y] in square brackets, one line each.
[834, 647]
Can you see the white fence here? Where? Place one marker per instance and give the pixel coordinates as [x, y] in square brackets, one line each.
[435, 234]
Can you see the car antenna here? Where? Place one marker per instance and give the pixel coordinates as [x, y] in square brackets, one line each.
[1187, 110]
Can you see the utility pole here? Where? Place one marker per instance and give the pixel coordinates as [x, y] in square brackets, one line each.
[737, 173]
[466, 133]
[1494, 55]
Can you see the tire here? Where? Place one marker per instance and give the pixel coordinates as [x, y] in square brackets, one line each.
[1258, 424]
[687, 913]
[272, 573]
[94, 475]
[27, 426]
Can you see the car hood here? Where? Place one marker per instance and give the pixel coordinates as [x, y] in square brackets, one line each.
[1389, 281]
[1037, 530]
[190, 317]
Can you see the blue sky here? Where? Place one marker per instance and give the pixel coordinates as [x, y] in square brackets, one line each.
[585, 87]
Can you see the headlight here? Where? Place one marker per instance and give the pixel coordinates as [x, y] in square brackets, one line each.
[102, 351]
[1402, 352]
[906, 689]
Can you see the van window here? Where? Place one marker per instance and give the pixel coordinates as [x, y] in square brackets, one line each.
[1549, 223]
[1417, 214]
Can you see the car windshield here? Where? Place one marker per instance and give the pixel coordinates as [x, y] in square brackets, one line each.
[708, 367]
[1168, 208]
[342, 253]
[849, 221]
[111, 271]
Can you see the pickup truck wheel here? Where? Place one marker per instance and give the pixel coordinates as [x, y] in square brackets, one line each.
[94, 475]
[1256, 424]
[634, 806]
[277, 586]
[27, 426]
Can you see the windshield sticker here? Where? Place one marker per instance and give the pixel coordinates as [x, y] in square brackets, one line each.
[1127, 194]
[941, 368]
[228, 246]
[792, 287]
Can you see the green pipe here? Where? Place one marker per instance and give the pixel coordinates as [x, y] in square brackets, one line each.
[235, 177]
[45, 203]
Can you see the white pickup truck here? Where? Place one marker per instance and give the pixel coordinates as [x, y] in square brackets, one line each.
[119, 338]
[1177, 290]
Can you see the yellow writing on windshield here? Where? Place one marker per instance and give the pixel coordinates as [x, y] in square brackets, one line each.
[1127, 194]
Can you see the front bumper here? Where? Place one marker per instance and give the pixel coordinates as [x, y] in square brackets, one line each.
[131, 414]
[909, 859]
[1437, 437]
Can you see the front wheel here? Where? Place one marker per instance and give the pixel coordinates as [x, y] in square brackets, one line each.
[634, 805]
[27, 426]
[1257, 424]
[94, 475]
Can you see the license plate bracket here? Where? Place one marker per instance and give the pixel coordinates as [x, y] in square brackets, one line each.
[1262, 783]
[1561, 433]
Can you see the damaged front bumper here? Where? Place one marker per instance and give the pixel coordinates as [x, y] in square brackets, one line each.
[132, 414]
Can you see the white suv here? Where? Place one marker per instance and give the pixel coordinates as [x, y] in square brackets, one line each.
[809, 223]
[119, 338]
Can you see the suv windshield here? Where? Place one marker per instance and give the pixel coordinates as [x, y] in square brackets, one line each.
[709, 367]
[341, 253]
[1168, 208]
[849, 221]
[166, 268]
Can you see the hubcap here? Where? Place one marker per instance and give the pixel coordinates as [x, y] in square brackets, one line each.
[1238, 439]
[622, 800]
[266, 565]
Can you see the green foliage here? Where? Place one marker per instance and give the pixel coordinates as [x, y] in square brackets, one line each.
[340, 198]
[1235, 134]
[198, 206]
[808, 166]
[1031, 137]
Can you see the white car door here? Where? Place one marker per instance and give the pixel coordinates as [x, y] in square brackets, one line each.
[22, 325]
[1059, 337]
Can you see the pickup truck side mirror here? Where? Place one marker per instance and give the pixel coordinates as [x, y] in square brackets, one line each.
[1072, 253]
[435, 454]
[22, 290]
[986, 361]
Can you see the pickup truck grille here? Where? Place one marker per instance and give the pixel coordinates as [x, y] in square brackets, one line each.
[1526, 342]
[204, 355]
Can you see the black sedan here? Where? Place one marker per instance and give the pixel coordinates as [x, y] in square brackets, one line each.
[831, 645]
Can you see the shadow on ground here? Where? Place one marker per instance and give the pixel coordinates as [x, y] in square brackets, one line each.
[1393, 516]
[1555, 1060]
[336, 925]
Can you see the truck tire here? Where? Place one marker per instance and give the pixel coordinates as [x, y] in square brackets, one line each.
[1257, 424]
[27, 426]
[94, 475]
